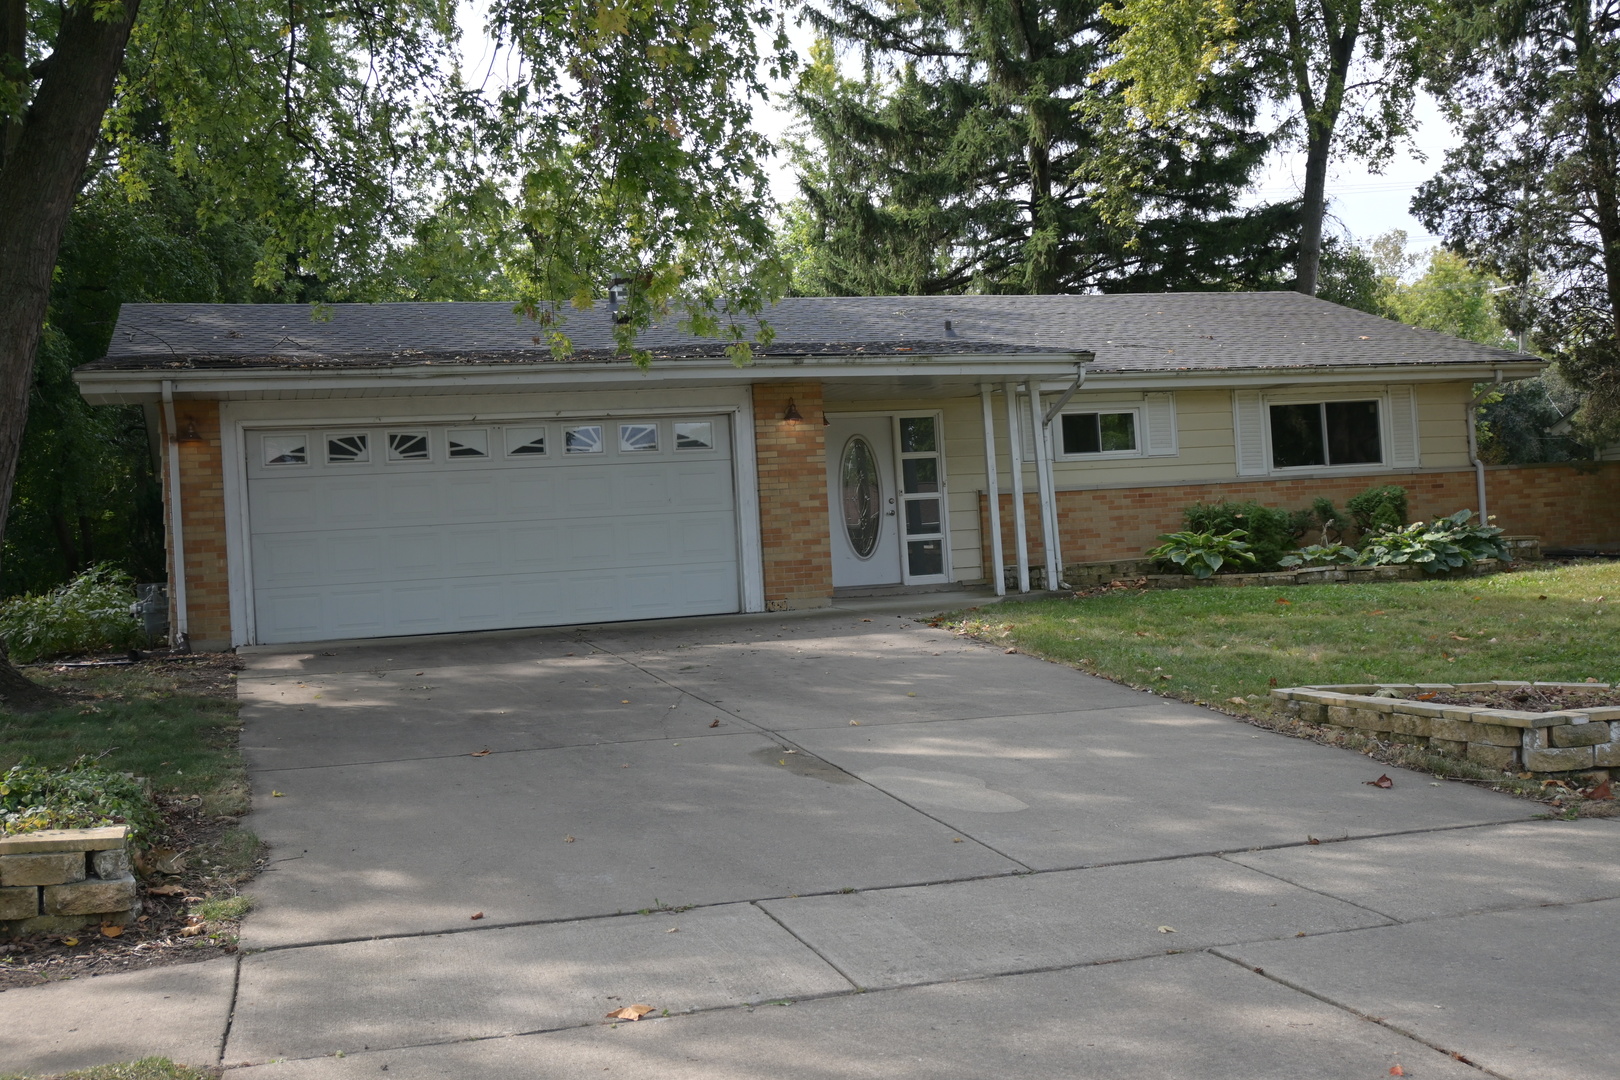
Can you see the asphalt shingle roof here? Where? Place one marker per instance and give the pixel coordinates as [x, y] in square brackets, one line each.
[1130, 332]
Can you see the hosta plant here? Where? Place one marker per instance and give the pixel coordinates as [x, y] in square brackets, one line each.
[1321, 555]
[1440, 546]
[1203, 554]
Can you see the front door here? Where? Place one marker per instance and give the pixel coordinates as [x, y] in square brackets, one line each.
[862, 500]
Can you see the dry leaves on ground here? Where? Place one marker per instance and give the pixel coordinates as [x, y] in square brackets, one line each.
[630, 1012]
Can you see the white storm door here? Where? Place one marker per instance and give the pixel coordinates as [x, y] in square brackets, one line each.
[863, 502]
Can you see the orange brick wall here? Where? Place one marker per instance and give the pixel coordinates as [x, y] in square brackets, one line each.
[1564, 506]
[202, 504]
[792, 463]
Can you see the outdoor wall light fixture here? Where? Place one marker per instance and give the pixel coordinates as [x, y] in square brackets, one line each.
[792, 412]
[190, 435]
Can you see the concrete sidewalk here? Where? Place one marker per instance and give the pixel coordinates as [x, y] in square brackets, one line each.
[850, 845]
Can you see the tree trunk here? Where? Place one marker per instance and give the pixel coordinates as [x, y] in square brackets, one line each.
[1313, 207]
[44, 157]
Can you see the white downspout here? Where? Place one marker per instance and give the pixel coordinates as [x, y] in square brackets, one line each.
[1015, 455]
[1473, 448]
[993, 488]
[1043, 483]
[179, 636]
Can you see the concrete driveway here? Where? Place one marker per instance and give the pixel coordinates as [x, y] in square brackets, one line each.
[849, 845]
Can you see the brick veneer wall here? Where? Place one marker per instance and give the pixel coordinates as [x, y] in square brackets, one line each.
[791, 457]
[1565, 506]
[202, 504]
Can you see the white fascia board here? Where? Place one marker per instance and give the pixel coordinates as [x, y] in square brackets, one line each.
[1274, 377]
[127, 387]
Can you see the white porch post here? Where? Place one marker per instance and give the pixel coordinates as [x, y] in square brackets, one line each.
[992, 487]
[1015, 455]
[1043, 484]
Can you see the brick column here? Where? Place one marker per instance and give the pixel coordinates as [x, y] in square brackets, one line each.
[793, 518]
[202, 503]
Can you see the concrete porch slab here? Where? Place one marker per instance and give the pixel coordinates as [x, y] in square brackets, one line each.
[1528, 994]
[297, 1003]
[1175, 1018]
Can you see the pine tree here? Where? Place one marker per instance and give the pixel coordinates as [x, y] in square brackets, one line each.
[981, 153]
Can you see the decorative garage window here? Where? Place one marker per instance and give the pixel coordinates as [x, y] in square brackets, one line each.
[636, 438]
[1325, 433]
[407, 446]
[525, 441]
[286, 449]
[585, 439]
[694, 435]
[342, 449]
[470, 442]
[1351, 429]
[1086, 434]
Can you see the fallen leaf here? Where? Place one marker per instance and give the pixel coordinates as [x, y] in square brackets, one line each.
[1382, 782]
[1589, 678]
[626, 701]
[1273, 680]
[1601, 792]
[475, 916]
[166, 890]
[1300, 934]
[110, 930]
[866, 620]
[479, 753]
[673, 930]
[630, 1012]
[1164, 677]
[1284, 600]
[854, 723]
[1167, 929]
[956, 839]
[1238, 700]
[1011, 650]
[192, 930]
[911, 693]
[277, 794]
[1427, 697]
[568, 839]
[1458, 637]
[169, 861]
[1380, 611]
[1396, 1070]
[1312, 840]
[1543, 596]
[70, 941]
[421, 673]
[715, 722]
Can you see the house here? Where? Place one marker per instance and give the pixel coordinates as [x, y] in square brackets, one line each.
[422, 468]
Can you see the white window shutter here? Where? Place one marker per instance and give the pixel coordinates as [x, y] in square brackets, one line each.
[1403, 433]
[1159, 417]
[1248, 422]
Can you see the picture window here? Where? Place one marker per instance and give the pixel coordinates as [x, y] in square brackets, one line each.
[1325, 434]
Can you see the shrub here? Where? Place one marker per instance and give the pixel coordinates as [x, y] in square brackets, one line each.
[1379, 508]
[1447, 544]
[1321, 555]
[90, 612]
[80, 796]
[1202, 554]
[1269, 532]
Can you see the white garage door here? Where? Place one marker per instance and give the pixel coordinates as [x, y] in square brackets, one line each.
[425, 528]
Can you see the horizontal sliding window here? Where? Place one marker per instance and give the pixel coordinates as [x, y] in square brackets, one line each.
[1099, 433]
[1325, 434]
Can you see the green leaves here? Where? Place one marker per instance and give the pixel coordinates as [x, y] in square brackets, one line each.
[90, 612]
[1202, 554]
[1448, 543]
[79, 796]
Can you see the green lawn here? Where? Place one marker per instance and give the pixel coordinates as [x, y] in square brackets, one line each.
[175, 727]
[1211, 645]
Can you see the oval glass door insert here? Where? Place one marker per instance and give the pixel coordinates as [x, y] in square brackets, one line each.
[862, 491]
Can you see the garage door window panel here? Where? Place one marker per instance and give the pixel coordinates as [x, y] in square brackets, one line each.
[286, 449]
[467, 442]
[638, 438]
[408, 446]
[1325, 434]
[525, 441]
[348, 448]
[694, 435]
[585, 439]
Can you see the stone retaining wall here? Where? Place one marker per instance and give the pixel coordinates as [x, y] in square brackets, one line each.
[1085, 575]
[64, 879]
[1585, 741]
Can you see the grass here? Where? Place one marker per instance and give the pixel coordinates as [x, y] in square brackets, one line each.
[141, 721]
[1214, 645]
[144, 1069]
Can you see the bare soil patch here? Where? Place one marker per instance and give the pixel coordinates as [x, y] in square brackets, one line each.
[1531, 698]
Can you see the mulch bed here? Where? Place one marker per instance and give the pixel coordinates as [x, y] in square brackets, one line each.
[156, 939]
[1531, 698]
